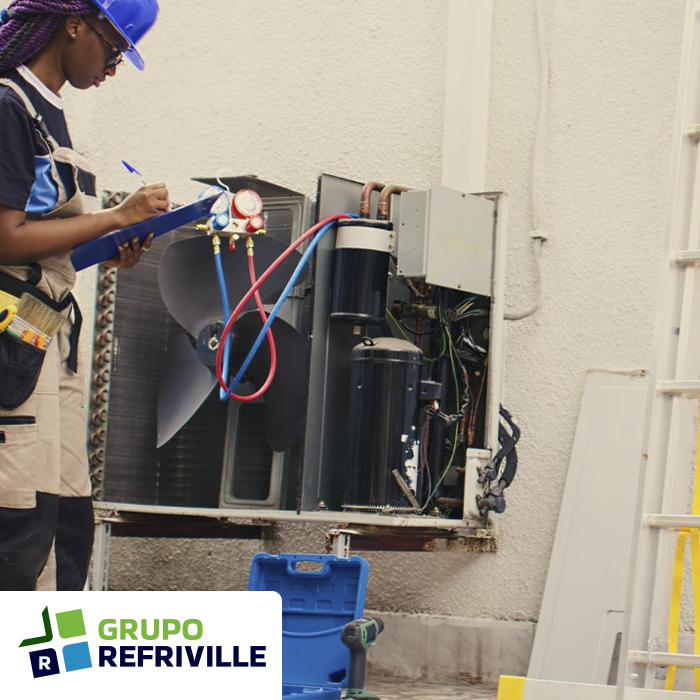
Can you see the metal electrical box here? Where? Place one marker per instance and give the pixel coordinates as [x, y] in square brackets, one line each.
[446, 239]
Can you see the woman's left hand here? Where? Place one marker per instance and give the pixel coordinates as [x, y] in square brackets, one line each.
[130, 253]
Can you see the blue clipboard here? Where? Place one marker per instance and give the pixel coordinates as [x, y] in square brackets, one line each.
[106, 247]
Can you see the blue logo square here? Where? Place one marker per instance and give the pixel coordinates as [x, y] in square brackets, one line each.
[44, 663]
[77, 656]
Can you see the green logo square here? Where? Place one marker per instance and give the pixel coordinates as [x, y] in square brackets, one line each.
[70, 624]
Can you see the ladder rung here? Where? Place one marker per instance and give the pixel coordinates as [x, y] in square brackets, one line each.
[672, 522]
[687, 257]
[657, 658]
[679, 388]
[694, 131]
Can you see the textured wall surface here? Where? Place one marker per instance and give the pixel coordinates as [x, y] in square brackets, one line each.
[288, 90]
[283, 90]
[606, 158]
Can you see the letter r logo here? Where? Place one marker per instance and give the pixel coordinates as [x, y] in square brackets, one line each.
[44, 663]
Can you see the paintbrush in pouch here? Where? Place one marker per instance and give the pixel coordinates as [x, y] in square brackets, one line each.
[39, 316]
[24, 331]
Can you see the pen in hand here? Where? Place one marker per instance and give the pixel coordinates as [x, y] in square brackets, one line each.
[133, 171]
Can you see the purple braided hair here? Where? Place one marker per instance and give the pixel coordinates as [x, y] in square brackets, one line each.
[27, 26]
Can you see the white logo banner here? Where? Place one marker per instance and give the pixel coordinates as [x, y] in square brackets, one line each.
[133, 645]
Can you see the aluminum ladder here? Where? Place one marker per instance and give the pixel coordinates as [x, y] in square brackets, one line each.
[671, 430]
[672, 411]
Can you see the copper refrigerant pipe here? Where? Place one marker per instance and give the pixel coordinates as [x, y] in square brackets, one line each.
[367, 197]
[450, 502]
[463, 436]
[384, 209]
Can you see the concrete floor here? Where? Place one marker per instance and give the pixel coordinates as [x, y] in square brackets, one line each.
[389, 688]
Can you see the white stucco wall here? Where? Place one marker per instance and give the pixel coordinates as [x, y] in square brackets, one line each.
[288, 90]
[613, 86]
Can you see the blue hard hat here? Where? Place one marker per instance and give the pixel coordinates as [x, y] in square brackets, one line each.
[132, 19]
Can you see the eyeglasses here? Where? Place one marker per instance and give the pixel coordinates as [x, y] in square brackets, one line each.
[115, 55]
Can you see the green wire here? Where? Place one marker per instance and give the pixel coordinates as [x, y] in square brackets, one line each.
[442, 351]
[403, 333]
[446, 343]
[447, 468]
[446, 331]
[398, 325]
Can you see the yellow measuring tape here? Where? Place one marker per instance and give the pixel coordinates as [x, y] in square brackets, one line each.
[677, 587]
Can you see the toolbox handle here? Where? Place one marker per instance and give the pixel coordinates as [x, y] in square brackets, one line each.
[293, 561]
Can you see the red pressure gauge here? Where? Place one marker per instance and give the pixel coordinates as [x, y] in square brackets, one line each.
[247, 203]
[255, 223]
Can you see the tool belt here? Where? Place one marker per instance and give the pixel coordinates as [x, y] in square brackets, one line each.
[20, 362]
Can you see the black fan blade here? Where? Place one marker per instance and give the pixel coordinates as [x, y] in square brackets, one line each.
[185, 384]
[286, 397]
[189, 284]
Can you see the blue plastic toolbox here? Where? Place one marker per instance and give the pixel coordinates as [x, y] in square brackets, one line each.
[316, 605]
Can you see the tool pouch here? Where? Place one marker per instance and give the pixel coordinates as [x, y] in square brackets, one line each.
[20, 367]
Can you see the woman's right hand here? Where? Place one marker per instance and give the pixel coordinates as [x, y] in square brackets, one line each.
[145, 203]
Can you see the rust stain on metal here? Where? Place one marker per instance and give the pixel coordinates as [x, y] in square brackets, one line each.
[370, 539]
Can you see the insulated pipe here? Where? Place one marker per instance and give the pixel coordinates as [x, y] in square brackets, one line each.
[384, 209]
[367, 196]
[463, 427]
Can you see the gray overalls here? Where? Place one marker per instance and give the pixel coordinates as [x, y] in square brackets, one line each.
[46, 520]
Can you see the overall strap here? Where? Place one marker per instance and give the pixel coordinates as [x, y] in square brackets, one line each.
[36, 117]
[17, 287]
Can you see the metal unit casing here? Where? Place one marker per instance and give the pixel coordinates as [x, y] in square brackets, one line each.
[446, 239]
[317, 467]
[326, 445]
[220, 457]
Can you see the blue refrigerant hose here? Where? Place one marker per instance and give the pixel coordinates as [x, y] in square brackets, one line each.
[273, 314]
[227, 312]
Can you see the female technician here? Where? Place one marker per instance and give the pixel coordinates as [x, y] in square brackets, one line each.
[48, 206]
